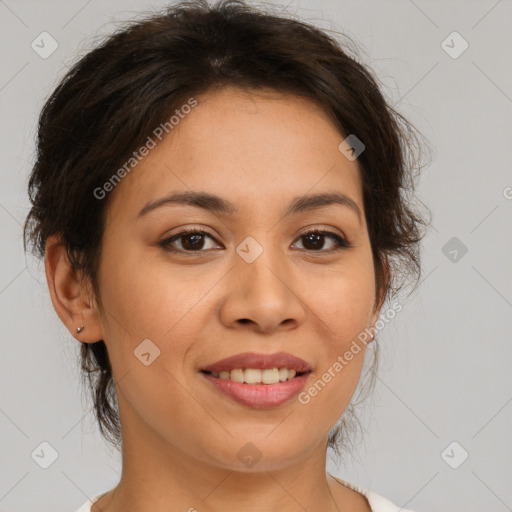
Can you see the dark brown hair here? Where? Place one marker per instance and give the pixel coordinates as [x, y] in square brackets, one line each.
[112, 99]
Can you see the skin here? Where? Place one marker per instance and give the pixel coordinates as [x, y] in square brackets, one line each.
[180, 436]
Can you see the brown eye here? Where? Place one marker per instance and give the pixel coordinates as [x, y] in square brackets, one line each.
[315, 240]
[191, 240]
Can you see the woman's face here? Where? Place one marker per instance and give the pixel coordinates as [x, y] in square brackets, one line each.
[251, 284]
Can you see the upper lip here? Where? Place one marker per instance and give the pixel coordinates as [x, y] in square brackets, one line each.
[263, 361]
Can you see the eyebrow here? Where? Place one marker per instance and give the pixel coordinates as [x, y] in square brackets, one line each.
[216, 204]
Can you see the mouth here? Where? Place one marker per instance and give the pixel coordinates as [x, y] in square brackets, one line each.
[258, 380]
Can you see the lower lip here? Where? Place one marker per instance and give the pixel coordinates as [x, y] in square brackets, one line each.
[259, 396]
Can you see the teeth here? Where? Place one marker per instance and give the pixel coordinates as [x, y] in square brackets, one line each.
[252, 376]
[237, 375]
[285, 374]
[270, 376]
[257, 376]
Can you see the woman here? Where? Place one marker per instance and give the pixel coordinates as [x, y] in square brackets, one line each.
[220, 196]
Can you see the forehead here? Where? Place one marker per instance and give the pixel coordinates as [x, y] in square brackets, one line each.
[255, 149]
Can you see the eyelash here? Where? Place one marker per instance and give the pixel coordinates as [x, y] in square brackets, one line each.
[342, 243]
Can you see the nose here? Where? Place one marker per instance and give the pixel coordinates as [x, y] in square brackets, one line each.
[263, 295]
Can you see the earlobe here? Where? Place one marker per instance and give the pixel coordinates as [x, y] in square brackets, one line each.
[70, 297]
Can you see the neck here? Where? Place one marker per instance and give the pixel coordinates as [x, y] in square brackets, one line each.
[157, 474]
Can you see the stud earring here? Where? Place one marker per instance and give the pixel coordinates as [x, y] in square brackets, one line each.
[80, 329]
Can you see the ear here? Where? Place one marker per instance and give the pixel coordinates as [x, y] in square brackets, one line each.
[72, 299]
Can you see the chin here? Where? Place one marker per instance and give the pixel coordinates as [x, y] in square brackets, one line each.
[256, 453]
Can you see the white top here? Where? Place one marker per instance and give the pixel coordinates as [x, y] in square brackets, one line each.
[377, 502]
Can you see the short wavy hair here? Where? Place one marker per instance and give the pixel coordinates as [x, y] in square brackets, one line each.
[111, 100]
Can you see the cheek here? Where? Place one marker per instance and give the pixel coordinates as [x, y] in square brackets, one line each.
[157, 304]
[145, 296]
[343, 300]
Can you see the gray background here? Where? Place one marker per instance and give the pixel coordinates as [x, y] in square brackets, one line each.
[446, 358]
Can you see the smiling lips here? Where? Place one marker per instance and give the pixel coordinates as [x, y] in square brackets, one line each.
[259, 380]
